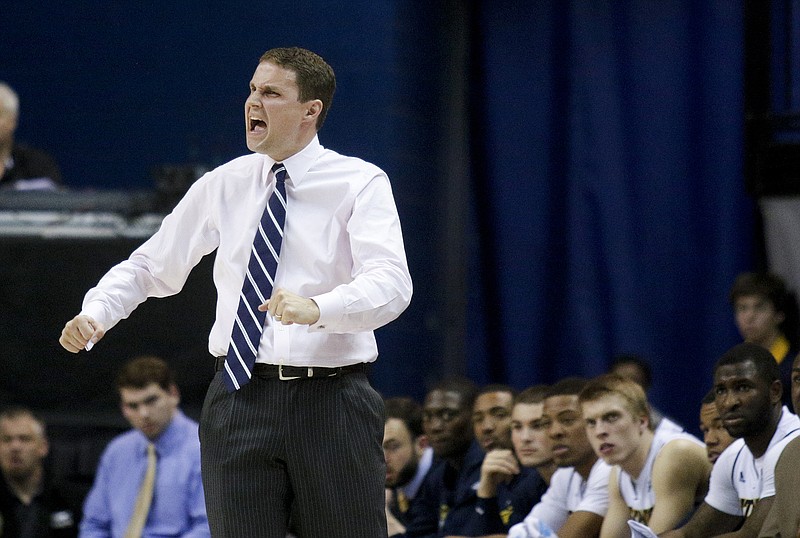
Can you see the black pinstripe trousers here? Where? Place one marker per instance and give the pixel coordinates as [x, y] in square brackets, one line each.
[309, 448]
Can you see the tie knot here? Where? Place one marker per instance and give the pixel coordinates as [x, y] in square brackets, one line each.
[280, 171]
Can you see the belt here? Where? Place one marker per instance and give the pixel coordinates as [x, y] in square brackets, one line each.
[287, 373]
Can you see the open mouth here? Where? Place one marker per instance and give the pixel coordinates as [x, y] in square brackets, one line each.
[256, 124]
[605, 448]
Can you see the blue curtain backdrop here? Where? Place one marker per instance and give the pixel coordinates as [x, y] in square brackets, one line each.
[611, 212]
[607, 210]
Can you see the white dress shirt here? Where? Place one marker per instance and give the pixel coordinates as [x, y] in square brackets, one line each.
[342, 247]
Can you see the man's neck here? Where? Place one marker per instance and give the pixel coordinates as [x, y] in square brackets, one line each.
[585, 468]
[769, 340]
[546, 470]
[634, 464]
[301, 143]
[758, 443]
[25, 488]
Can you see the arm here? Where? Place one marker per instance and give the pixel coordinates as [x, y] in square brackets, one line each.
[96, 522]
[581, 524]
[784, 515]
[157, 268]
[381, 287]
[680, 472]
[615, 524]
[705, 521]
[196, 516]
[79, 331]
[753, 523]
[498, 466]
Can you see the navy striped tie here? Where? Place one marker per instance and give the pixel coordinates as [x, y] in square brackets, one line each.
[257, 287]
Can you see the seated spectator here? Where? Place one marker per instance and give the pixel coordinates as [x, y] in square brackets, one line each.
[532, 445]
[408, 457]
[742, 487]
[715, 436]
[447, 497]
[784, 516]
[148, 482]
[507, 490]
[21, 167]
[32, 503]
[576, 502]
[760, 304]
[657, 477]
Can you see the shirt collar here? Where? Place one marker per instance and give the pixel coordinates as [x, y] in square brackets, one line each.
[170, 437]
[423, 467]
[298, 164]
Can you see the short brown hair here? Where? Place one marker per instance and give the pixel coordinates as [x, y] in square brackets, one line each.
[141, 371]
[406, 410]
[767, 285]
[15, 412]
[315, 78]
[630, 391]
[531, 395]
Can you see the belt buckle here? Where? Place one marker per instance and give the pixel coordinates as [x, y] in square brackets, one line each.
[283, 377]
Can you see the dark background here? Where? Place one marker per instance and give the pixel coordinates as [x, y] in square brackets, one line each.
[570, 176]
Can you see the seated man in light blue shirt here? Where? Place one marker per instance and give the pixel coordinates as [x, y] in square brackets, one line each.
[149, 400]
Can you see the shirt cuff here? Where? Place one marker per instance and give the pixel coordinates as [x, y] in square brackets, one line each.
[331, 310]
[96, 312]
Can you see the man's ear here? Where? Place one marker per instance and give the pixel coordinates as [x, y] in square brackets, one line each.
[645, 422]
[314, 109]
[175, 392]
[420, 444]
[776, 391]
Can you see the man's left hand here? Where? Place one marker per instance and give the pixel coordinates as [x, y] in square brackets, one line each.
[288, 308]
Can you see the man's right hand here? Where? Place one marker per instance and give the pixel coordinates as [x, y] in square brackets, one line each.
[498, 466]
[79, 331]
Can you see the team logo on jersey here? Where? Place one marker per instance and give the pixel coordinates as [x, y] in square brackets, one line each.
[642, 516]
[747, 506]
[505, 514]
[443, 511]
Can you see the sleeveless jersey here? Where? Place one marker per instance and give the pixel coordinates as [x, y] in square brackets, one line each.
[638, 493]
